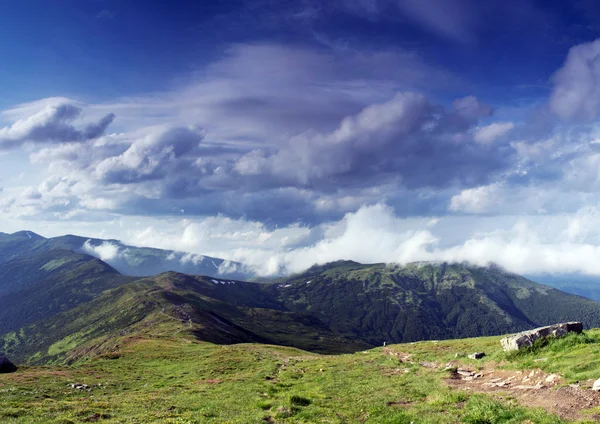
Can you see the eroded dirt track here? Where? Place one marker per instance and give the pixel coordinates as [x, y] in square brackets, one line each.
[531, 388]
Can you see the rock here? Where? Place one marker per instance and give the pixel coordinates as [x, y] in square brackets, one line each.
[596, 386]
[527, 338]
[451, 368]
[552, 378]
[6, 366]
[477, 355]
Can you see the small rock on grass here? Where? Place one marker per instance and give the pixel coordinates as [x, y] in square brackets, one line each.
[477, 355]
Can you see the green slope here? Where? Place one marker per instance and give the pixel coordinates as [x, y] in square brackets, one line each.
[179, 380]
[37, 287]
[334, 308]
[378, 303]
[167, 304]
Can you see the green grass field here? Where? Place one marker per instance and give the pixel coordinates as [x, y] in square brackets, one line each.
[178, 380]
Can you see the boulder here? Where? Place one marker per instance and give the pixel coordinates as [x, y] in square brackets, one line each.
[6, 366]
[596, 386]
[477, 355]
[527, 338]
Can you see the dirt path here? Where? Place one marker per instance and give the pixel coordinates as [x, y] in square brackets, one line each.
[531, 388]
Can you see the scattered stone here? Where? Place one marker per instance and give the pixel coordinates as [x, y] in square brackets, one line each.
[465, 373]
[6, 366]
[596, 386]
[523, 387]
[540, 359]
[552, 378]
[527, 338]
[451, 368]
[460, 355]
[428, 364]
[79, 386]
[477, 355]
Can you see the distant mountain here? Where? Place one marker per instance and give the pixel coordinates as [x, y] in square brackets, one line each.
[378, 303]
[62, 304]
[582, 285]
[128, 260]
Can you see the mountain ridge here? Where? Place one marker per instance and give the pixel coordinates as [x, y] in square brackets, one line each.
[129, 260]
[337, 307]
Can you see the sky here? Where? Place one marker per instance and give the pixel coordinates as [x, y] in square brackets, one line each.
[286, 133]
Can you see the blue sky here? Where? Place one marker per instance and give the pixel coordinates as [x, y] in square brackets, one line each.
[284, 133]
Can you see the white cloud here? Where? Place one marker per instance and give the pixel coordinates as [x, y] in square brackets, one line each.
[476, 200]
[106, 251]
[524, 244]
[53, 124]
[576, 91]
[489, 133]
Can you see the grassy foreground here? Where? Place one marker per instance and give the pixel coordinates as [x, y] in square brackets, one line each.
[178, 380]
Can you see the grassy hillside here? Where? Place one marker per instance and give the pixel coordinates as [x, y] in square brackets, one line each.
[233, 312]
[37, 287]
[378, 303]
[335, 308]
[175, 379]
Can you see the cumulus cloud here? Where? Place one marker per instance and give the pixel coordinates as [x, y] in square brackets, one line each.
[489, 133]
[523, 244]
[475, 200]
[406, 142]
[576, 92]
[153, 157]
[106, 251]
[406, 137]
[53, 124]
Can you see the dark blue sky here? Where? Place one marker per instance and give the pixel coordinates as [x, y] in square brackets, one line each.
[95, 49]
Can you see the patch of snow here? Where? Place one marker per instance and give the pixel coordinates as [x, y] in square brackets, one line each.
[28, 235]
[216, 266]
[287, 285]
[215, 281]
[309, 281]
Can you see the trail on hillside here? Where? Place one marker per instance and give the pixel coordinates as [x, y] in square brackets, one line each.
[531, 388]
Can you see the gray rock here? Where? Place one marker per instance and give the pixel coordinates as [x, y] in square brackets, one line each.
[596, 386]
[6, 366]
[527, 338]
[477, 355]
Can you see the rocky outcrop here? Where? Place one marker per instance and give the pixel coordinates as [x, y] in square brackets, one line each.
[527, 338]
[6, 366]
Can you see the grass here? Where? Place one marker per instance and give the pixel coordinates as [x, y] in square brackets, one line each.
[178, 380]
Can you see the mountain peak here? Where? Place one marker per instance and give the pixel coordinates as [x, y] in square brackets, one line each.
[28, 234]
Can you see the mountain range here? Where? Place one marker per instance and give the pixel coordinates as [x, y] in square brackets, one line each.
[128, 260]
[61, 305]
